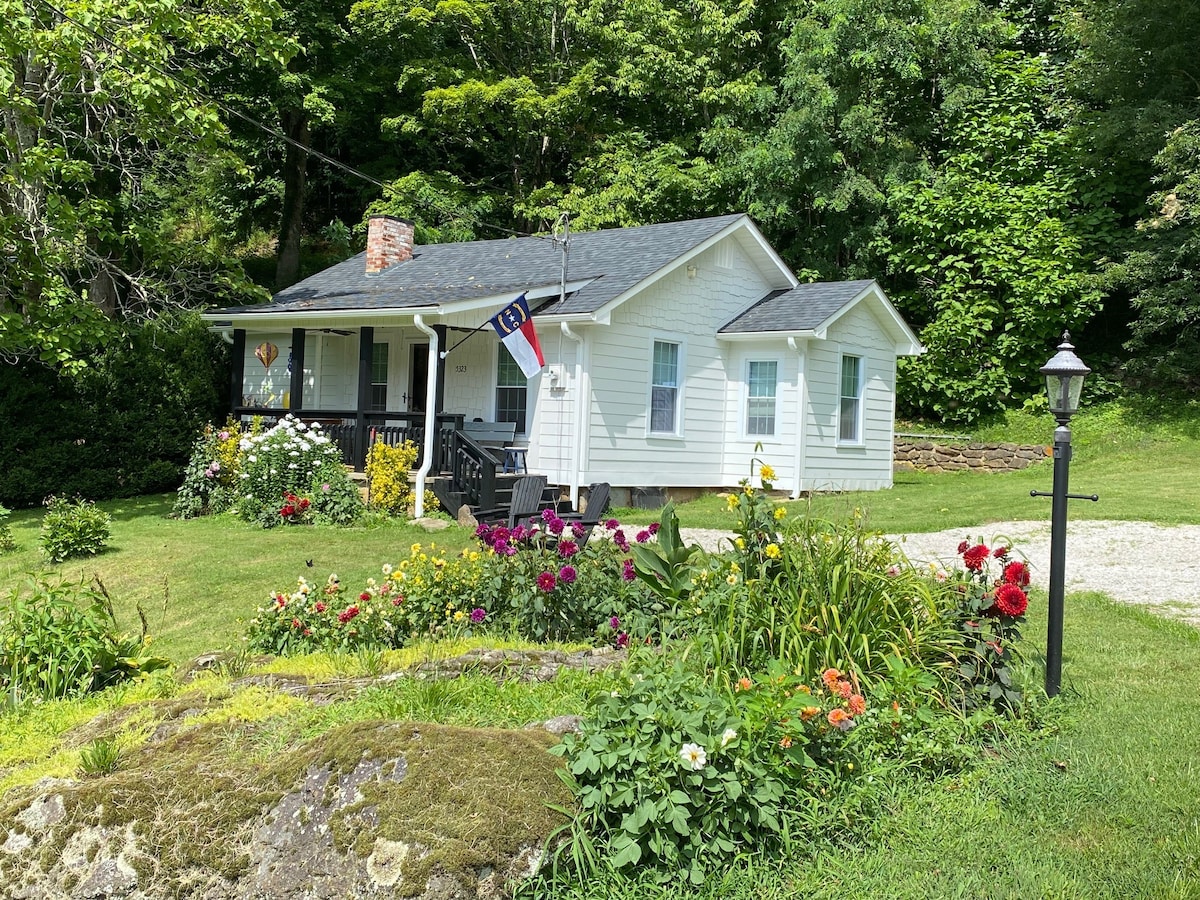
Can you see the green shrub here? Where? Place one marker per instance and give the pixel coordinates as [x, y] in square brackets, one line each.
[73, 528]
[676, 771]
[387, 474]
[210, 478]
[60, 640]
[7, 542]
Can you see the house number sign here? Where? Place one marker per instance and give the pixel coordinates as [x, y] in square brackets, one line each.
[460, 368]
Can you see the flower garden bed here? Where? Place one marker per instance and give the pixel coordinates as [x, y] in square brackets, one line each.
[762, 684]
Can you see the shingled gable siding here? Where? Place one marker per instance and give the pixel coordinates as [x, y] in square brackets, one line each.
[869, 466]
[675, 308]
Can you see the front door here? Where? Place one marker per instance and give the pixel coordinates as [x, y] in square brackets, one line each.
[418, 377]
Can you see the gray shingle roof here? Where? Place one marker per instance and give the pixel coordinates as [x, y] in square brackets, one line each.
[802, 308]
[616, 258]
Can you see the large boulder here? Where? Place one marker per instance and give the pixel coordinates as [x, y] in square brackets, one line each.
[213, 809]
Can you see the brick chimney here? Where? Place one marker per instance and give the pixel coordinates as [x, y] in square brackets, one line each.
[389, 241]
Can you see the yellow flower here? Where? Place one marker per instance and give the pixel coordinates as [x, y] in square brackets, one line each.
[780, 513]
[459, 616]
[772, 551]
[731, 501]
[732, 579]
[734, 567]
[414, 549]
[766, 473]
[740, 543]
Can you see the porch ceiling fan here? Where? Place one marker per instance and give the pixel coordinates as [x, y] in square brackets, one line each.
[343, 332]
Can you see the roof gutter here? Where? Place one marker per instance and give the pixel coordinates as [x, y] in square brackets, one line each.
[430, 417]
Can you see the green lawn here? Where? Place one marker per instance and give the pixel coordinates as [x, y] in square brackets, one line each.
[199, 580]
[1105, 803]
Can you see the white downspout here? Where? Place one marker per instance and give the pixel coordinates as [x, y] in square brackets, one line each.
[430, 416]
[801, 413]
[580, 413]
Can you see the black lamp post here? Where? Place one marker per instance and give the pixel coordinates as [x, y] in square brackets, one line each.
[1064, 383]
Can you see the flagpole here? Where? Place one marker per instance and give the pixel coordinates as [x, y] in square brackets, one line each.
[446, 353]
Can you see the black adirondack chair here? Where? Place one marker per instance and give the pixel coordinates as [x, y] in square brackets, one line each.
[525, 504]
[597, 506]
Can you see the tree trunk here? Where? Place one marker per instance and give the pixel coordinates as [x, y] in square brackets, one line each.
[295, 177]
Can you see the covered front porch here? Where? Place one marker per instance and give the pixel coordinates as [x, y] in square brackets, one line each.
[364, 384]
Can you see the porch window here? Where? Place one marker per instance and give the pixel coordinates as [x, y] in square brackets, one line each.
[379, 377]
[850, 413]
[761, 380]
[664, 389]
[512, 389]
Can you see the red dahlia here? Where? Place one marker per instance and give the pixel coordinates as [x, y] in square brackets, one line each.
[974, 557]
[1017, 573]
[962, 547]
[1010, 600]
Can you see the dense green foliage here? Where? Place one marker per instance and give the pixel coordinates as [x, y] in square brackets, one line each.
[1005, 169]
[120, 427]
[59, 639]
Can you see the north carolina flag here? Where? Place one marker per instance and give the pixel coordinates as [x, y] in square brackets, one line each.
[515, 328]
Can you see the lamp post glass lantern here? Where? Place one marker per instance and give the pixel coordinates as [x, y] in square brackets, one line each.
[1064, 384]
[1064, 380]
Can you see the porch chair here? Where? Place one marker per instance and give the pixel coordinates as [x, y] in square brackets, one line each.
[525, 504]
[597, 505]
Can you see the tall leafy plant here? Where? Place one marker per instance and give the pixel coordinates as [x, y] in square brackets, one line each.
[60, 639]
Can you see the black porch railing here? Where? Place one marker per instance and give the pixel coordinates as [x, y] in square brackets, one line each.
[353, 440]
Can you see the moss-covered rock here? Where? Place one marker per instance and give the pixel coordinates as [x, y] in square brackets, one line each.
[203, 809]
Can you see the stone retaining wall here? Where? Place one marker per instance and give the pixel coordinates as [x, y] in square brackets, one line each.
[934, 457]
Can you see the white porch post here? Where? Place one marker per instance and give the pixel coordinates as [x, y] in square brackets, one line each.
[800, 348]
[580, 413]
[431, 389]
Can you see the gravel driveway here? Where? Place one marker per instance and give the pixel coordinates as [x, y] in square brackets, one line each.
[1155, 566]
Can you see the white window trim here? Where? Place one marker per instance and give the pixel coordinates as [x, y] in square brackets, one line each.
[862, 400]
[530, 393]
[681, 341]
[744, 399]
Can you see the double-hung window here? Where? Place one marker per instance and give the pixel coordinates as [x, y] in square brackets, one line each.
[850, 410]
[761, 380]
[512, 389]
[664, 389]
[379, 376]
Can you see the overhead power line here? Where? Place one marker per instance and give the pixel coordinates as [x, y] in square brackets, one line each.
[237, 113]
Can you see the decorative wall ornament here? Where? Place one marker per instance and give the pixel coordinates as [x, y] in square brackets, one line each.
[267, 353]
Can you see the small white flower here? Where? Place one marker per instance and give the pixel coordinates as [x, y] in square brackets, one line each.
[694, 756]
[252, 458]
[300, 426]
[727, 736]
[243, 444]
[387, 569]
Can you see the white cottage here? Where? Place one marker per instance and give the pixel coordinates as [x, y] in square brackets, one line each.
[672, 351]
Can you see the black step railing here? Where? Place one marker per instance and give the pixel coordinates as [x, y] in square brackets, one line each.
[472, 471]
